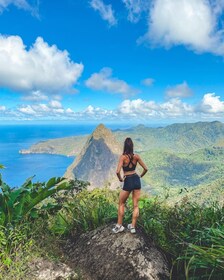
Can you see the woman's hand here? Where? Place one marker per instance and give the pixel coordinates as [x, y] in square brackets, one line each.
[122, 179]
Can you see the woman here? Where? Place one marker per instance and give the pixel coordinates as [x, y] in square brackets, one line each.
[128, 161]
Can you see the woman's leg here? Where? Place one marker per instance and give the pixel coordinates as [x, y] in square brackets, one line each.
[135, 199]
[122, 199]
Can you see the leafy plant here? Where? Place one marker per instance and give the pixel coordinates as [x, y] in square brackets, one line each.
[17, 204]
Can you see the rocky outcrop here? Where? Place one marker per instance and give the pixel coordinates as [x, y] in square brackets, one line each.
[97, 160]
[101, 254]
[43, 269]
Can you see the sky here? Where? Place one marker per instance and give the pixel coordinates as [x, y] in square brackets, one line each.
[118, 61]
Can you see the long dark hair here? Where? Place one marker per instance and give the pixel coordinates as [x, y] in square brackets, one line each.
[128, 147]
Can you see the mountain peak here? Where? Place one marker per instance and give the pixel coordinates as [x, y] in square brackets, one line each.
[97, 160]
[101, 132]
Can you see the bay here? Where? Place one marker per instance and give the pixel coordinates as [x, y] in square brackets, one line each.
[19, 167]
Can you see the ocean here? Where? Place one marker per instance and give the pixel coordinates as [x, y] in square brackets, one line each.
[19, 167]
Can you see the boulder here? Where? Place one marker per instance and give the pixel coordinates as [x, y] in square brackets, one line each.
[101, 254]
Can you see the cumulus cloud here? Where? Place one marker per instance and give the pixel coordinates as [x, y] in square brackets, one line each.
[211, 104]
[147, 82]
[209, 107]
[106, 11]
[40, 68]
[136, 8]
[35, 96]
[193, 23]
[55, 104]
[55, 110]
[105, 82]
[96, 113]
[21, 4]
[27, 110]
[145, 109]
[52, 109]
[181, 90]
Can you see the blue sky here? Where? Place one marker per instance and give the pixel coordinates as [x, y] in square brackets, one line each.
[123, 61]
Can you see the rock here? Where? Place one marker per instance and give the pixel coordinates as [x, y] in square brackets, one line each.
[97, 160]
[101, 254]
[42, 269]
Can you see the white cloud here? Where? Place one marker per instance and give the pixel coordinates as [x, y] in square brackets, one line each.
[35, 96]
[193, 23]
[148, 82]
[21, 4]
[106, 11]
[212, 104]
[144, 109]
[41, 68]
[2, 108]
[175, 107]
[137, 107]
[40, 110]
[69, 111]
[46, 111]
[210, 107]
[136, 8]
[55, 104]
[96, 113]
[27, 110]
[105, 82]
[181, 90]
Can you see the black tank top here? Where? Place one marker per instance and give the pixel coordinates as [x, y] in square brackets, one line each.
[131, 166]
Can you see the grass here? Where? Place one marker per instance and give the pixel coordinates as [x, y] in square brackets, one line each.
[190, 234]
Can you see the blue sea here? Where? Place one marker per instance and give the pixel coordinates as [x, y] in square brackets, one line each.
[19, 167]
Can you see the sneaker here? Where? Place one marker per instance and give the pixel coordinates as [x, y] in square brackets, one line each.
[131, 228]
[118, 228]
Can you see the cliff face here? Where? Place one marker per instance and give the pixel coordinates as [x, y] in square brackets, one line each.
[98, 159]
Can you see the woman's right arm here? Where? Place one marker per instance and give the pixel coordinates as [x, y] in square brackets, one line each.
[145, 169]
[119, 166]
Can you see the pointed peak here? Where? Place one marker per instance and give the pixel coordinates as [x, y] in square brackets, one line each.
[101, 131]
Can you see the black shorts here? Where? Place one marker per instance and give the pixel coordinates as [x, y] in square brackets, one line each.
[132, 182]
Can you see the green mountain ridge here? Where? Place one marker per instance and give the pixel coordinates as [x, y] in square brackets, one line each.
[178, 156]
[173, 170]
[187, 137]
[211, 193]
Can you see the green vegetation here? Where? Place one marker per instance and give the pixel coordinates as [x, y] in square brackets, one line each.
[182, 137]
[182, 170]
[70, 146]
[25, 214]
[86, 211]
[191, 235]
[178, 156]
[179, 137]
[184, 217]
[17, 204]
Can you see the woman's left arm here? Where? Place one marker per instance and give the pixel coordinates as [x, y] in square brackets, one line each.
[119, 166]
[145, 169]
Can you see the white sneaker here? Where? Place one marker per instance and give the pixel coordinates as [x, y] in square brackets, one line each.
[118, 228]
[131, 228]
